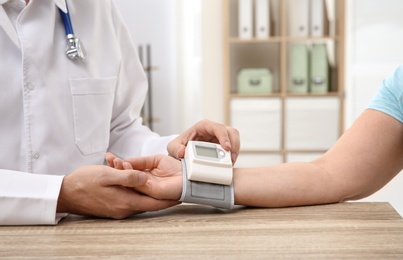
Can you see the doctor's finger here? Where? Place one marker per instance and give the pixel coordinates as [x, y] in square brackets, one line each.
[228, 137]
[204, 130]
[209, 131]
[176, 148]
[109, 157]
[235, 143]
[127, 166]
[118, 164]
[144, 163]
[127, 178]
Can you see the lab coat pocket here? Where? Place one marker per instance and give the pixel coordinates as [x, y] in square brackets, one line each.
[92, 108]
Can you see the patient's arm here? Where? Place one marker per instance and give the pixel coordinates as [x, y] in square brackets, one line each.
[362, 161]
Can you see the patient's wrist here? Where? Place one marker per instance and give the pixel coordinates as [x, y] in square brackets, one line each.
[216, 195]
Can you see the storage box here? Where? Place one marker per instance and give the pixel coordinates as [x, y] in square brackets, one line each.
[255, 81]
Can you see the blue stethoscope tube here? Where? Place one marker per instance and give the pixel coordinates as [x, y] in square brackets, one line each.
[68, 26]
[75, 49]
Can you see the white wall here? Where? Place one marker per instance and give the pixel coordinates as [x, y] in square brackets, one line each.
[200, 62]
[154, 22]
[212, 56]
[183, 38]
[375, 40]
[189, 62]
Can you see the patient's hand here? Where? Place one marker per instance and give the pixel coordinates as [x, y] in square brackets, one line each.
[164, 175]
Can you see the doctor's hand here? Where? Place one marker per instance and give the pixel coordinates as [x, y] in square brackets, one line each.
[207, 131]
[164, 175]
[103, 191]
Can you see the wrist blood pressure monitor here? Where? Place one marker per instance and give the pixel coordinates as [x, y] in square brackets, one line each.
[207, 175]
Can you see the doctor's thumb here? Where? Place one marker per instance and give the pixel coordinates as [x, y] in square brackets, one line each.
[128, 178]
[141, 179]
[176, 150]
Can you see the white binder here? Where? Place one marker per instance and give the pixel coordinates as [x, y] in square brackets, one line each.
[331, 15]
[245, 8]
[298, 17]
[262, 16]
[317, 18]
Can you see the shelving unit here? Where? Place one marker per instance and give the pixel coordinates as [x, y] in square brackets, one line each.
[281, 126]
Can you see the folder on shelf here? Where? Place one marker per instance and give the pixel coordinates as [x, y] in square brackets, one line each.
[331, 16]
[245, 18]
[262, 18]
[298, 72]
[319, 69]
[331, 53]
[317, 18]
[298, 17]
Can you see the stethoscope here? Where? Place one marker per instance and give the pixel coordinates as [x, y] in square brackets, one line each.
[75, 49]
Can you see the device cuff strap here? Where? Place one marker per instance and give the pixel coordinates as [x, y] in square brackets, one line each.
[216, 195]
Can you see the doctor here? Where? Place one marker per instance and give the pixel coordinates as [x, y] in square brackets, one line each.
[59, 116]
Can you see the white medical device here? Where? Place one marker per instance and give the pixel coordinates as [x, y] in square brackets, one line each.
[207, 175]
[208, 162]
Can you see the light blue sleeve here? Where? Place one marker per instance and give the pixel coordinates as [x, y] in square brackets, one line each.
[388, 98]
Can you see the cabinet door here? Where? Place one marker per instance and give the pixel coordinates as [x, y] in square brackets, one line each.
[311, 123]
[302, 157]
[250, 160]
[258, 121]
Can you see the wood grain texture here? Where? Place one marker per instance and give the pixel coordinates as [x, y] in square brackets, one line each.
[345, 230]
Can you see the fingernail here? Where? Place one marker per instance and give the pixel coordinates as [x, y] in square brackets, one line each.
[233, 157]
[228, 144]
[125, 166]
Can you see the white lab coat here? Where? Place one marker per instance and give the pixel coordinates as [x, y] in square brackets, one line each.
[57, 114]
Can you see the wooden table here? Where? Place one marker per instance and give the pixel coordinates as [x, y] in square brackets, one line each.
[345, 230]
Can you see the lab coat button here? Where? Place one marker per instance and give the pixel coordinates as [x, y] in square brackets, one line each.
[36, 155]
[30, 87]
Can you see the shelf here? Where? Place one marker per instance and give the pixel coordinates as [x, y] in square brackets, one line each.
[312, 40]
[310, 95]
[255, 40]
[279, 39]
[283, 126]
[273, 95]
[284, 95]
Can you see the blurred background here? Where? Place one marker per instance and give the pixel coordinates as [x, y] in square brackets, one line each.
[183, 47]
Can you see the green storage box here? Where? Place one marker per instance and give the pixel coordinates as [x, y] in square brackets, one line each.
[255, 81]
